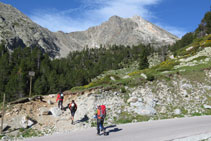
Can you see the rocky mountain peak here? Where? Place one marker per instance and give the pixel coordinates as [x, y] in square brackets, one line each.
[137, 18]
[18, 30]
[114, 18]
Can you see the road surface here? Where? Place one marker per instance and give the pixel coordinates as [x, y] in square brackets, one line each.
[160, 130]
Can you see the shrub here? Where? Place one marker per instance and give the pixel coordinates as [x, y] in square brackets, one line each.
[150, 77]
[123, 90]
[135, 73]
[166, 65]
[207, 43]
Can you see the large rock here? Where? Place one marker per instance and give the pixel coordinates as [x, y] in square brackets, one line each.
[207, 106]
[26, 122]
[44, 111]
[147, 110]
[144, 76]
[142, 108]
[163, 110]
[56, 111]
[132, 100]
[177, 111]
[49, 102]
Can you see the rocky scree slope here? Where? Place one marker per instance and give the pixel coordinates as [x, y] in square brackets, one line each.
[18, 30]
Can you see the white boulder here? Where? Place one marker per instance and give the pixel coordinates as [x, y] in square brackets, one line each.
[144, 76]
[207, 106]
[177, 111]
[49, 102]
[26, 122]
[56, 111]
[132, 100]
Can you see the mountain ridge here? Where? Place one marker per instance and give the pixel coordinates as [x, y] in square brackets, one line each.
[19, 30]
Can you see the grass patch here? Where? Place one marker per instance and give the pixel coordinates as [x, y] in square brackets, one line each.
[196, 68]
[167, 65]
[1, 136]
[26, 133]
[207, 112]
[184, 111]
[94, 124]
[105, 81]
[199, 58]
[196, 114]
[209, 100]
[199, 76]
[125, 117]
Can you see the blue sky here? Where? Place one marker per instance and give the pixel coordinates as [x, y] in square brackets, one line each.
[175, 16]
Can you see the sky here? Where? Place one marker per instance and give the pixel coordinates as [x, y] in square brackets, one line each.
[176, 16]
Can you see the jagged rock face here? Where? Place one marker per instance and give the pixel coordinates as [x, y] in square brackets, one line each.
[18, 30]
[128, 31]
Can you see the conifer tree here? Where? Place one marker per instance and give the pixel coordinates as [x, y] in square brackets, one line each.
[143, 58]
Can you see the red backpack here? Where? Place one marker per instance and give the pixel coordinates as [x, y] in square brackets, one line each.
[103, 108]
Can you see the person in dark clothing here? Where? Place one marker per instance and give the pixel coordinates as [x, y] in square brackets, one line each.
[73, 109]
[60, 98]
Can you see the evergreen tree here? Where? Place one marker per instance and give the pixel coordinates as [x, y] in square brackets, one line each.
[60, 74]
[143, 58]
[204, 26]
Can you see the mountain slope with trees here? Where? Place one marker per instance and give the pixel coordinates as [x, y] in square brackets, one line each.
[52, 76]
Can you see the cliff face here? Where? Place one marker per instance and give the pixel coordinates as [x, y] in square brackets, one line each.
[128, 31]
[16, 29]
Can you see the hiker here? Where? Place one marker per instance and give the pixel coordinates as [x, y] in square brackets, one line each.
[101, 114]
[73, 109]
[60, 97]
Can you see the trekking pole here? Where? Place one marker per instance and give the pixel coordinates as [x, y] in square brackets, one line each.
[2, 116]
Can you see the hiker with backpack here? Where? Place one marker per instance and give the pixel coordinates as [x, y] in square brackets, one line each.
[60, 98]
[100, 115]
[73, 109]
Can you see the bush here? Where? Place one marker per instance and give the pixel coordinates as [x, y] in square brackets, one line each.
[167, 65]
[207, 43]
[205, 25]
[123, 90]
[135, 73]
[150, 77]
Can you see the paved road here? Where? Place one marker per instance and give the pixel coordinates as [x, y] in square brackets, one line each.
[161, 130]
